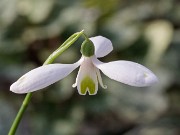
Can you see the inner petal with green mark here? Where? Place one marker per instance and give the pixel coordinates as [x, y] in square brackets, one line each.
[87, 79]
[87, 85]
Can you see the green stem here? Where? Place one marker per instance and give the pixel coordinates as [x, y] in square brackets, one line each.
[85, 36]
[20, 114]
[49, 60]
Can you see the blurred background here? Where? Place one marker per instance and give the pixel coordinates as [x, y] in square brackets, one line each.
[143, 31]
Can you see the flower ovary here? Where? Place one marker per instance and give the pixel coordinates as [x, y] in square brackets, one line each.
[87, 48]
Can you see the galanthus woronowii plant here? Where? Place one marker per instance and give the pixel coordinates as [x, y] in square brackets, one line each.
[88, 76]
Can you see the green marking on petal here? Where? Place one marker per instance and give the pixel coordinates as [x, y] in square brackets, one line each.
[87, 84]
[145, 75]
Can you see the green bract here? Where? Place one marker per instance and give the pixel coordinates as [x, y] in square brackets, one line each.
[87, 48]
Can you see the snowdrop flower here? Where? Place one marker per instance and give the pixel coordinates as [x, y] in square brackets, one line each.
[88, 76]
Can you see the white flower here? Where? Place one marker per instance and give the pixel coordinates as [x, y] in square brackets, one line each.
[88, 76]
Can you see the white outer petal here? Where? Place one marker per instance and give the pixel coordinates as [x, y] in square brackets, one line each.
[127, 72]
[87, 69]
[42, 77]
[103, 46]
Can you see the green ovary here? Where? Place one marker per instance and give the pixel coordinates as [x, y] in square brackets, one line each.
[87, 84]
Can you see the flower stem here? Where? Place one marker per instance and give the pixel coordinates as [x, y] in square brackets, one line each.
[49, 60]
[85, 36]
[20, 114]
